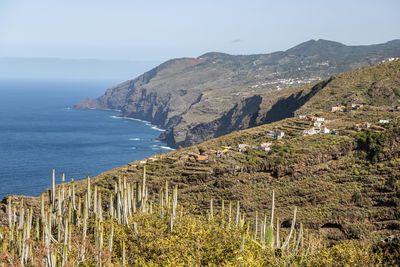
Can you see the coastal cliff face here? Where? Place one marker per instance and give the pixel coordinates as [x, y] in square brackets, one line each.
[196, 99]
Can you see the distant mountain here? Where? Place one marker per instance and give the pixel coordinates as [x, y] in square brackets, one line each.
[196, 99]
[80, 69]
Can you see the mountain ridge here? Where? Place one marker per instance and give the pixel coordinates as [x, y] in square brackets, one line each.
[187, 95]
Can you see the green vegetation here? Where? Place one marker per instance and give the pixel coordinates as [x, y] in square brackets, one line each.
[134, 230]
[237, 206]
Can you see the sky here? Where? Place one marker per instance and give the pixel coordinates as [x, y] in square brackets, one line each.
[157, 30]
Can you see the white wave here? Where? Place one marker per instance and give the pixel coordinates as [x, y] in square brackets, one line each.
[167, 147]
[135, 139]
[147, 123]
[134, 147]
[133, 119]
[162, 147]
[158, 129]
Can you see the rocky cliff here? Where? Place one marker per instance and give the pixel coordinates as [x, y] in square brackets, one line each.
[196, 99]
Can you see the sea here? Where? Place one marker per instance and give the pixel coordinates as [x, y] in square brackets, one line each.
[40, 131]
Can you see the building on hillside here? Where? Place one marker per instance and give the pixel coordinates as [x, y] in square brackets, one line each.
[277, 135]
[365, 125]
[143, 161]
[337, 109]
[356, 106]
[383, 121]
[317, 124]
[265, 147]
[311, 131]
[302, 117]
[243, 147]
[326, 130]
[320, 119]
[390, 59]
[152, 159]
[201, 158]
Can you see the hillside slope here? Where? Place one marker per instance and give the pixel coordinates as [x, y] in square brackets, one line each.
[196, 99]
[345, 184]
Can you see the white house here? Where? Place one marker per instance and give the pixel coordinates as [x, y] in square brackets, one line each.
[310, 131]
[277, 135]
[356, 106]
[336, 109]
[265, 146]
[243, 147]
[383, 121]
[320, 119]
[326, 130]
[317, 124]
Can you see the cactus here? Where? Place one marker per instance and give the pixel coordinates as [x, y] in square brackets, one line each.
[10, 219]
[42, 214]
[111, 208]
[53, 191]
[123, 254]
[237, 213]
[166, 195]
[62, 188]
[161, 203]
[64, 219]
[174, 205]
[278, 241]
[129, 201]
[88, 194]
[256, 226]
[272, 208]
[286, 243]
[95, 200]
[263, 231]
[143, 201]
[110, 241]
[299, 238]
[119, 207]
[269, 236]
[59, 211]
[99, 208]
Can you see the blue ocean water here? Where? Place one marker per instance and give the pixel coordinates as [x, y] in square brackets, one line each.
[39, 131]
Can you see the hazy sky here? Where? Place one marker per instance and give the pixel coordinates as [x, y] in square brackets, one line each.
[159, 30]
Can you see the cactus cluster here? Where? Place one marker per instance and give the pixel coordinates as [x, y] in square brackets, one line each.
[72, 229]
